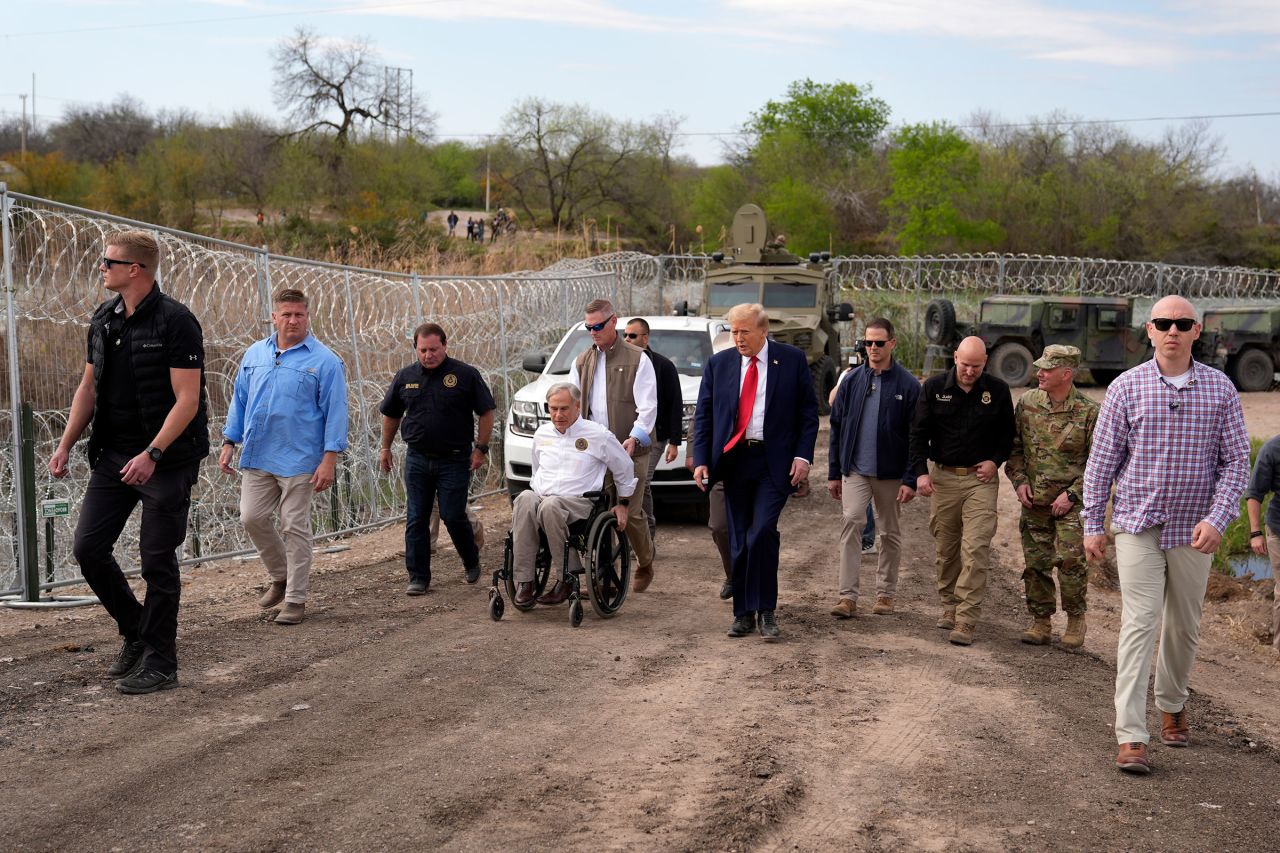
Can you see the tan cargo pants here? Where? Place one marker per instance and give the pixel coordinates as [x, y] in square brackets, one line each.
[962, 519]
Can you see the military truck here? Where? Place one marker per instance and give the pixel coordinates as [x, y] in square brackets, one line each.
[1244, 342]
[1016, 329]
[797, 294]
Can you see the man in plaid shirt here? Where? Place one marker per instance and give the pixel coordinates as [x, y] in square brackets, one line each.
[1172, 440]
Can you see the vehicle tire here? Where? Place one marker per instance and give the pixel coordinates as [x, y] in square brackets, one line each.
[940, 321]
[1104, 376]
[515, 487]
[1012, 363]
[1253, 370]
[824, 379]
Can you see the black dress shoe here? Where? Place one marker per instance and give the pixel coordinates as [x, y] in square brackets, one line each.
[768, 627]
[128, 659]
[726, 591]
[743, 625]
[558, 595]
[473, 573]
[147, 681]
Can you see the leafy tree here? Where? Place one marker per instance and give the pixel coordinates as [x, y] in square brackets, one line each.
[101, 134]
[840, 119]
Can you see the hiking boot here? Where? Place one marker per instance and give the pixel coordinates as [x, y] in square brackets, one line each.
[559, 594]
[147, 681]
[883, 606]
[416, 587]
[845, 608]
[273, 596]
[473, 573]
[743, 625]
[768, 627]
[1174, 730]
[1040, 633]
[644, 577]
[948, 619]
[1073, 637]
[128, 659]
[1133, 758]
[963, 634]
[290, 614]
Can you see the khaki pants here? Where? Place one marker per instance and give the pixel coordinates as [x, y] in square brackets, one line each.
[962, 519]
[856, 492]
[1273, 548]
[552, 514]
[477, 526]
[637, 521]
[286, 553]
[1155, 584]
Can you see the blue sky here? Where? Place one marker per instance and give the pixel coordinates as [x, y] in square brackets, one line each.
[711, 63]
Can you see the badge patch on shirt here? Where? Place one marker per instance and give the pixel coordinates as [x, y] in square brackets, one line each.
[581, 444]
[411, 386]
[450, 380]
[942, 398]
[986, 397]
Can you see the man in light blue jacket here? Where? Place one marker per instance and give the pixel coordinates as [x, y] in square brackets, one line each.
[288, 412]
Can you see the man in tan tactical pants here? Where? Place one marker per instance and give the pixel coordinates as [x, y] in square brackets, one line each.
[962, 519]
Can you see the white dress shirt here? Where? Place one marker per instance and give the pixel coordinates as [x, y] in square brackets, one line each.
[755, 427]
[573, 462]
[644, 390]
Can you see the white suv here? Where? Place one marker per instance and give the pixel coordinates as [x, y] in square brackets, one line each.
[687, 341]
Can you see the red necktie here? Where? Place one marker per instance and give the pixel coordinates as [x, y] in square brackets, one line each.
[746, 403]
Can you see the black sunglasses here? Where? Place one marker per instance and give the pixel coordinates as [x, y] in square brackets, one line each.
[111, 262]
[876, 343]
[631, 336]
[1162, 324]
[598, 326]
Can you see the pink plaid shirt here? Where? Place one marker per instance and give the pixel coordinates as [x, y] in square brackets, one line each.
[1176, 457]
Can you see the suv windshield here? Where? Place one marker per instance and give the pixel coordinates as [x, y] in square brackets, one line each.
[688, 349]
[786, 295]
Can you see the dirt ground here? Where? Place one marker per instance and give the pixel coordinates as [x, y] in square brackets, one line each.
[387, 722]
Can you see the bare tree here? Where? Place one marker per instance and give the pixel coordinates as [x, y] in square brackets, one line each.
[102, 133]
[340, 88]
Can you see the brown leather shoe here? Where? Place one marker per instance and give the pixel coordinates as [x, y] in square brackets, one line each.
[963, 634]
[845, 608]
[273, 596]
[948, 619]
[1040, 633]
[559, 594]
[883, 606]
[524, 593]
[290, 614]
[1174, 730]
[1133, 758]
[644, 577]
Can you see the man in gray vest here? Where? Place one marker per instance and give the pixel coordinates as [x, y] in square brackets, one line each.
[620, 391]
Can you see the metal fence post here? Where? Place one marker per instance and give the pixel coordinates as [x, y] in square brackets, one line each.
[20, 415]
[417, 299]
[369, 481]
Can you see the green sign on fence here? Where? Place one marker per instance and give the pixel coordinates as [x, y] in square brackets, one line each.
[55, 509]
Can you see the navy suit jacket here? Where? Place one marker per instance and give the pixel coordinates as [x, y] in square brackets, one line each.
[790, 412]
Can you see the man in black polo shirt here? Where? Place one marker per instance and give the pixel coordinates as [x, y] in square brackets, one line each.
[143, 388]
[433, 403]
[669, 426]
[961, 435]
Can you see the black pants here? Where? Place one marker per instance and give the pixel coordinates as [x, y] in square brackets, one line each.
[107, 505]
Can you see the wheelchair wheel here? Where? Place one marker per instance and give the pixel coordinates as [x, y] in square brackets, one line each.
[541, 569]
[608, 565]
[496, 607]
[575, 612]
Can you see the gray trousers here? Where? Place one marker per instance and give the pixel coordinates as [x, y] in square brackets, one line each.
[655, 456]
[718, 522]
[552, 515]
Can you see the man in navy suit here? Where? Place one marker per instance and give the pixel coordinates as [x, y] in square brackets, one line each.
[755, 428]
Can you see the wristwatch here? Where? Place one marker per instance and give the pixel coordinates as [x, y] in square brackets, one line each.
[624, 501]
[483, 448]
[1073, 497]
[1255, 534]
[155, 453]
[226, 442]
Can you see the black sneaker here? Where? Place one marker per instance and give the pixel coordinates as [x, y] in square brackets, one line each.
[743, 625]
[768, 627]
[128, 659]
[147, 681]
[473, 573]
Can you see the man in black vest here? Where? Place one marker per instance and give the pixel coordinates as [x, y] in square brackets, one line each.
[146, 368]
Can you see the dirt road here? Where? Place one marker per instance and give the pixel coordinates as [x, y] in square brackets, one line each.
[387, 722]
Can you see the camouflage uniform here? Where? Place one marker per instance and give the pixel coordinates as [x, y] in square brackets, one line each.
[1050, 446]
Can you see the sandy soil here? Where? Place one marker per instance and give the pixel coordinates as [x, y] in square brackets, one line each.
[387, 722]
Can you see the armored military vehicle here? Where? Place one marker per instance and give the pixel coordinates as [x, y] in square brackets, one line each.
[1244, 342]
[797, 294]
[1016, 329]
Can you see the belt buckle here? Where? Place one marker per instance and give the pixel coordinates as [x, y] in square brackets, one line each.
[962, 471]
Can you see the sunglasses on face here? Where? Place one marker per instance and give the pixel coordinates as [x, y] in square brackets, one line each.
[876, 343]
[595, 327]
[1184, 324]
[631, 336]
[111, 262]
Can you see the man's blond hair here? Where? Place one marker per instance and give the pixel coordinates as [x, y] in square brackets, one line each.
[752, 312]
[604, 306]
[140, 246]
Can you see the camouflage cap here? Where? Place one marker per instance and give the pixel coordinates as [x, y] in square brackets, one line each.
[1058, 355]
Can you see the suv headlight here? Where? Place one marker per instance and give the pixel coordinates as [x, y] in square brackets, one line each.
[524, 418]
[686, 421]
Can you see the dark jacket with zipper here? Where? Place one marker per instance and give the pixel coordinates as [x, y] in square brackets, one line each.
[899, 392]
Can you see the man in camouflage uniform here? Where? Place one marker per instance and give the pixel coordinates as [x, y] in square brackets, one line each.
[1051, 441]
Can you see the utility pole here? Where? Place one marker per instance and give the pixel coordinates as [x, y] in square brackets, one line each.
[23, 96]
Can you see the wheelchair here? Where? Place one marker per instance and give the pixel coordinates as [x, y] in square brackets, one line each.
[604, 558]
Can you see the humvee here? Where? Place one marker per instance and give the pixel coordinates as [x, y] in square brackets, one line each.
[1016, 329]
[1244, 342]
[797, 294]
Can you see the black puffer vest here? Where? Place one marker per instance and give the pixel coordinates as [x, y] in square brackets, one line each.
[152, 385]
